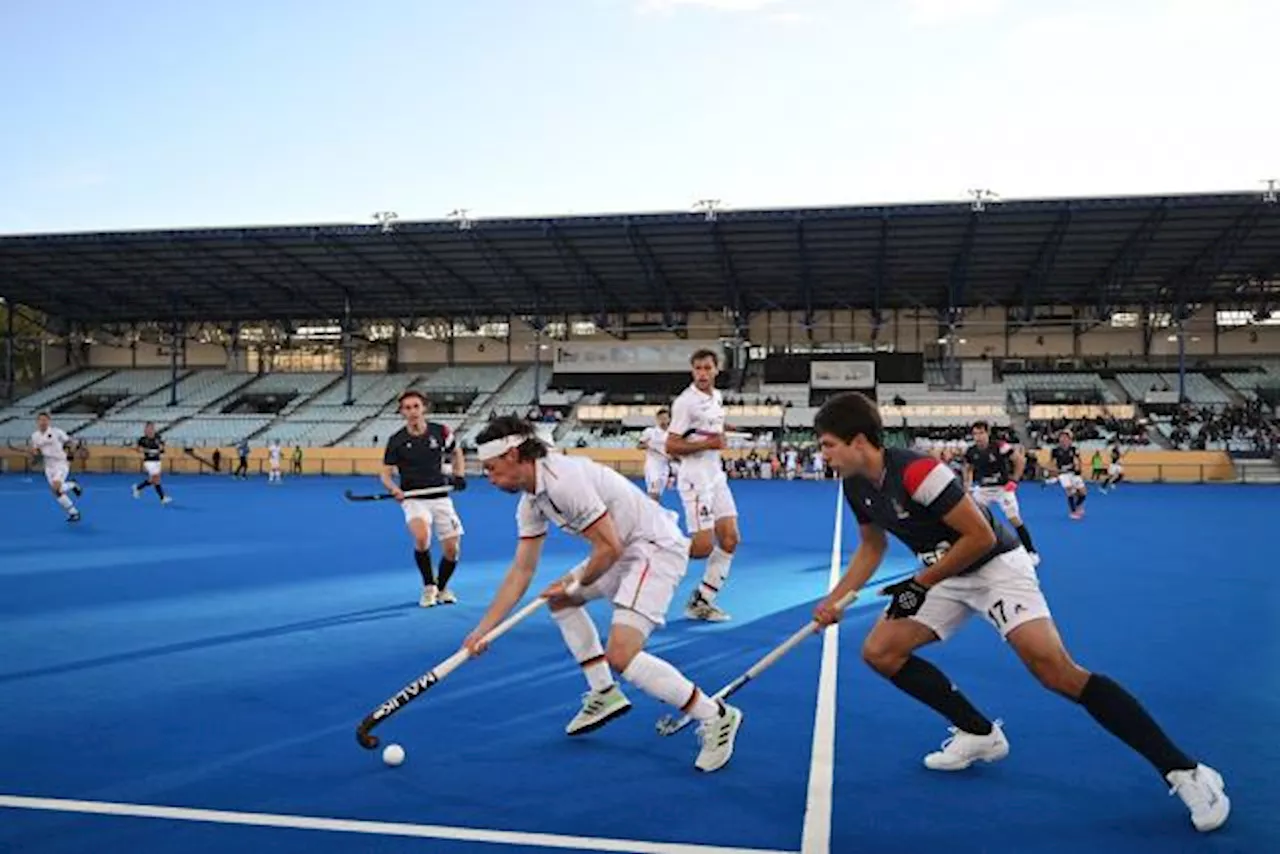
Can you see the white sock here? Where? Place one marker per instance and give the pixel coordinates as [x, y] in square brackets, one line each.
[583, 640]
[660, 680]
[70, 485]
[716, 574]
[65, 503]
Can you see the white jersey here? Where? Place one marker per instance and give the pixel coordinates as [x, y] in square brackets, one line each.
[275, 455]
[575, 492]
[696, 415]
[655, 439]
[51, 444]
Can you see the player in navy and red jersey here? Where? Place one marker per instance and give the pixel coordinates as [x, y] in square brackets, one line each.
[993, 471]
[971, 564]
[1069, 471]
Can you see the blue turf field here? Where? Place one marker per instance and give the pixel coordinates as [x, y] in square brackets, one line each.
[216, 654]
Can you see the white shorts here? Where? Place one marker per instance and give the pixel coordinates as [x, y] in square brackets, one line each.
[1005, 499]
[1006, 592]
[152, 467]
[705, 503]
[438, 513]
[656, 475]
[643, 581]
[1115, 469]
[56, 472]
[1070, 480]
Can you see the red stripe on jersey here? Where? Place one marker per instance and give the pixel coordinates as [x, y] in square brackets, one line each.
[916, 471]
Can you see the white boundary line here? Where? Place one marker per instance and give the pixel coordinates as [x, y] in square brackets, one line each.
[816, 836]
[373, 828]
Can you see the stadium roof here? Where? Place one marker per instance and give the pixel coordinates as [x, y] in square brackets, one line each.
[1156, 250]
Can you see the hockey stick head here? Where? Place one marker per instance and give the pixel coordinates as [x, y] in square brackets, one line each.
[364, 737]
[669, 726]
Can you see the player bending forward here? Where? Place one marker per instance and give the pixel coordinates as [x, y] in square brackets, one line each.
[657, 465]
[971, 565]
[993, 473]
[638, 558]
[696, 436]
[417, 453]
[152, 448]
[1115, 472]
[50, 443]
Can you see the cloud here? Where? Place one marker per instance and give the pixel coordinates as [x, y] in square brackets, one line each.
[731, 6]
[935, 13]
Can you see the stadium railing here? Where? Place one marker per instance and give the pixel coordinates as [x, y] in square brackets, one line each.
[1140, 466]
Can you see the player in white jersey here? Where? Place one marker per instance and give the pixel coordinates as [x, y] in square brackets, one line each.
[638, 558]
[696, 436]
[273, 453]
[50, 443]
[657, 465]
[792, 457]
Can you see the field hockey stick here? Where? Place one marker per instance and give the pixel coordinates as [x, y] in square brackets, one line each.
[670, 726]
[423, 683]
[429, 492]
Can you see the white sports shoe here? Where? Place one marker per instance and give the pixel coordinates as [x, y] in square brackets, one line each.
[598, 708]
[428, 599]
[965, 748]
[1204, 793]
[717, 736]
[446, 597]
[701, 608]
[137, 493]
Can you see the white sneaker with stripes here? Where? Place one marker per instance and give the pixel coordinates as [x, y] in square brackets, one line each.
[717, 736]
[598, 708]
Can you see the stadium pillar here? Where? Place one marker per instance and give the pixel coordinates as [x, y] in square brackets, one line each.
[9, 373]
[347, 360]
[1182, 363]
[173, 365]
[537, 365]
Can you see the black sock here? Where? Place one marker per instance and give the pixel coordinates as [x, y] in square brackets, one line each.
[1071, 502]
[1080, 500]
[1122, 715]
[1025, 536]
[446, 571]
[930, 686]
[423, 560]
[144, 484]
[160, 491]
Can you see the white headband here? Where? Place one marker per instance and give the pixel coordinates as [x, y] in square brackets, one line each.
[498, 447]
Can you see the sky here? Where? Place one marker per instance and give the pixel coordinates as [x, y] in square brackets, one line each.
[140, 114]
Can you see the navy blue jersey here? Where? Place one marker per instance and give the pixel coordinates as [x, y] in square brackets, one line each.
[992, 465]
[916, 493]
[152, 448]
[1066, 459]
[420, 459]
[1115, 455]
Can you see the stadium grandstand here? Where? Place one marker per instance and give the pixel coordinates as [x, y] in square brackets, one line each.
[1151, 321]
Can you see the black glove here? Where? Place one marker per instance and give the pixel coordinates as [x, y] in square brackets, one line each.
[459, 483]
[908, 595]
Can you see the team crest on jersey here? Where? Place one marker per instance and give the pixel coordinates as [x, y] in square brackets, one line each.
[899, 509]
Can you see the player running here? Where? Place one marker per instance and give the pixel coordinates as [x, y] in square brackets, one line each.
[151, 447]
[1068, 469]
[50, 444]
[992, 473]
[971, 565]
[417, 452]
[638, 558]
[696, 436]
[1115, 472]
[273, 454]
[657, 465]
